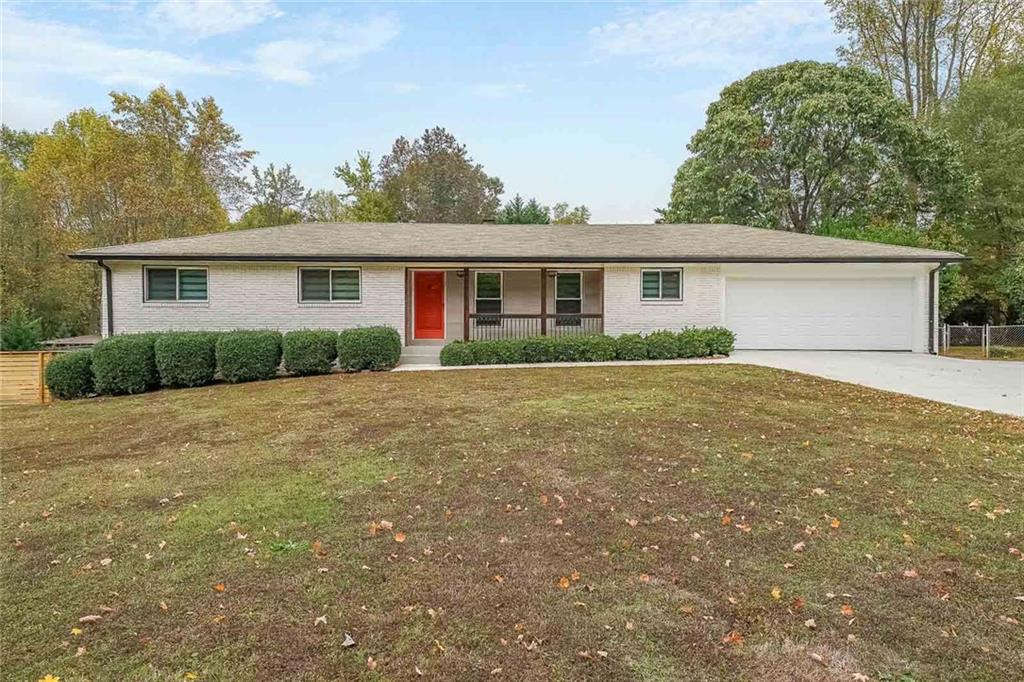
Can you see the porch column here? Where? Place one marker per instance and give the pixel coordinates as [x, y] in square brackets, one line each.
[465, 304]
[543, 301]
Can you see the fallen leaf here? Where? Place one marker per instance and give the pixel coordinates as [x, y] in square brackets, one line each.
[818, 491]
[726, 519]
[106, 562]
[734, 638]
[632, 522]
[799, 547]
[321, 620]
[798, 603]
[90, 619]
[219, 587]
[563, 582]
[76, 631]
[370, 663]
[191, 676]
[574, 576]
[163, 606]
[49, 678]
[776, 592]
[834, 523]
[910, 573]
[846, 610]
[809, 623]
[817, 658]
[499, 578]
[399, 536]
[348, 641]
[386, 525]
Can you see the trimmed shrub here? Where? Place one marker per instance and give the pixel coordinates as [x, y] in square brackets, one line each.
[248, 355]
[457, 354]
[310, 351]
[585, 348]
[186, 358]
[539, 349]
[125, 364]
[630, 347]
[692, 343]
[369, 348]
[662, 345]
[69, 375]
[720, 340]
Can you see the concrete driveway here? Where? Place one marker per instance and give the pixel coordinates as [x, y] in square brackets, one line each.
[982, 384]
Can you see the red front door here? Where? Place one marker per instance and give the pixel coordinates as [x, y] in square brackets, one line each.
[428, 304]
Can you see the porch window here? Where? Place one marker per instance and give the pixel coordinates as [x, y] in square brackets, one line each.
[331, 285]
[488, 298]
[175, 284]
[568, 298]
[661, 285]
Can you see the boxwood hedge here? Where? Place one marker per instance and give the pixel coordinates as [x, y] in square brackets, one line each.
[69, 375]
[369, 348]
[186, 358]
[125, 364]
[310, 351]
[659, 345]
[248, 355]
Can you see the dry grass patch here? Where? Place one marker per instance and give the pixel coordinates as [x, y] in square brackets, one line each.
[587, 523]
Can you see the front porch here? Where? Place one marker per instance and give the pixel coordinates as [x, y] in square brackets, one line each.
[469, 304]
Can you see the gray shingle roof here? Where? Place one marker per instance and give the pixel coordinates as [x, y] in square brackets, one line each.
[425, 242]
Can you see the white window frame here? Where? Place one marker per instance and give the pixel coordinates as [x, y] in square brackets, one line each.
[330, 300]
[661, 298]
[579, 274]
[177, 284]
[501, 290]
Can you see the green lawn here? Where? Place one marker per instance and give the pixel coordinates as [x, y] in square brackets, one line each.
[653, 523]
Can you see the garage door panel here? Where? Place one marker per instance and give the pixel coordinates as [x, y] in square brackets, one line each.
[820, 314]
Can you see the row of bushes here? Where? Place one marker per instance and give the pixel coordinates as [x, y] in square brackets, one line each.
[659, 345]
[134, 363]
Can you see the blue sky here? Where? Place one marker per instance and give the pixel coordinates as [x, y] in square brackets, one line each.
[585, 103]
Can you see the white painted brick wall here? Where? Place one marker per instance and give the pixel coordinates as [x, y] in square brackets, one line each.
[257, 296]
[626, 313]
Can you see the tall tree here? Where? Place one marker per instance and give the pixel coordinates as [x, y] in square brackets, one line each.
[987, 121]
[279, 198]
[158, 167]
[325, 206]
[173, 127]
[518, 211]
[366, 201]
[927, 48]
[433, 179]
[798, 145]
[561, 214]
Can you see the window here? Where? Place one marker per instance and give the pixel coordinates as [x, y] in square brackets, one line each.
[488, 298]
[175, 284]
[661, 285]
[329, 285]
[568, 298]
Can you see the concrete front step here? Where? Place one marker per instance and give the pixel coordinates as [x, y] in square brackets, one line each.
[421, 355]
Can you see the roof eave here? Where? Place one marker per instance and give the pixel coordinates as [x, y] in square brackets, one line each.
[373, 258]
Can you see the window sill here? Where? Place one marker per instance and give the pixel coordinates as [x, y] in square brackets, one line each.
[670, 302]
[177, 304]
[327, 304]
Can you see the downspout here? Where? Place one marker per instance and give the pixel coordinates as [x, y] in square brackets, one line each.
[108, 280]
[932, 281]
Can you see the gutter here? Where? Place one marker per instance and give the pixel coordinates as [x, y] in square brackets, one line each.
[932, 290]
[353, 258]
[109, 289]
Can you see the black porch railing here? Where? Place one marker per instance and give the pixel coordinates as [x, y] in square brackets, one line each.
[491, 327]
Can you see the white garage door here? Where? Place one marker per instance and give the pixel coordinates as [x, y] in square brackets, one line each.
[820, 314]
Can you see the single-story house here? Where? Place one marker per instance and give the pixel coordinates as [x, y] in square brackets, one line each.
[436, 283]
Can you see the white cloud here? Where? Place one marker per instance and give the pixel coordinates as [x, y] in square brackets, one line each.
[34, 49]
[293, 60]
[499, 90]
[39, 48]
[728, 37]
[197, 19]
[22, 107]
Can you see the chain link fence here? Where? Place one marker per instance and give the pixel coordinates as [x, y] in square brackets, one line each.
[998, 342]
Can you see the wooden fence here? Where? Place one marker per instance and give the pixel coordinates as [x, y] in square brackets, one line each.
[22, 377]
